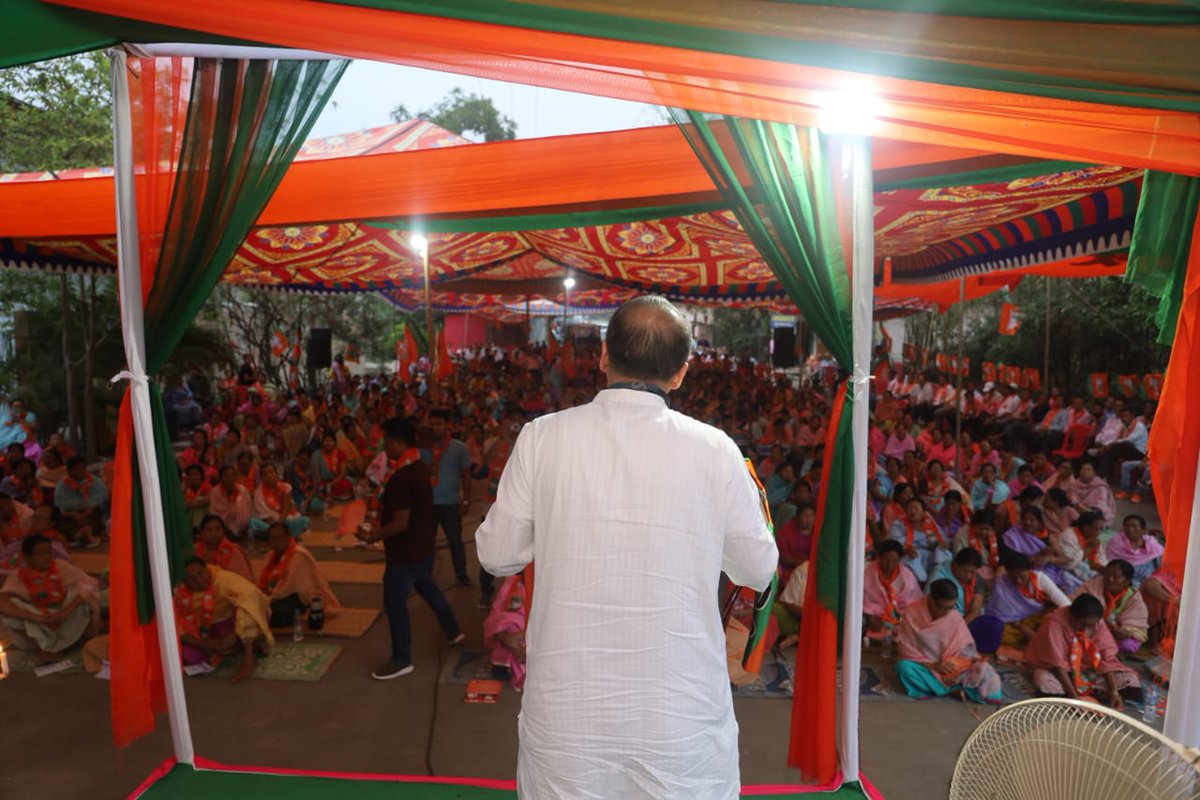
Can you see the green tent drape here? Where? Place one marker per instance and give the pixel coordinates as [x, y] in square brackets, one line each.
[1162, 238]
[790, 193]
[246, 120]
[776, 179]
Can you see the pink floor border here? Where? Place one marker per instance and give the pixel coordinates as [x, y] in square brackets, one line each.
[482, 783]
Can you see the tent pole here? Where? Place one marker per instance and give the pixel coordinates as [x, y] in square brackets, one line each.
[862, 299]
[129, 285]
[432, 345]
[1183, 709]
[958, 395]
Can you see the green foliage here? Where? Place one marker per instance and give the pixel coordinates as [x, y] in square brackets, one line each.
[250, 317]
[745, 331]
[464, 114]
[56, 115]
[34, 369]
[1096, 325]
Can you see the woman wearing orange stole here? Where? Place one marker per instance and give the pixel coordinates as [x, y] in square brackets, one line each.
[333, 466]
[215, 547]
[889, 588]
[291, 578]
[937, 651]
[47, 605]
[1074, 655]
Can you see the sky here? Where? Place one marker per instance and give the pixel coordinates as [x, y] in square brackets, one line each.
[369, 91]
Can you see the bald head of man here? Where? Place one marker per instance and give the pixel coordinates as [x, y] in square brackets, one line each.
[648, 340]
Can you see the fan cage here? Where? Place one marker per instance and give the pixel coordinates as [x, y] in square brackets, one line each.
[1059, 749]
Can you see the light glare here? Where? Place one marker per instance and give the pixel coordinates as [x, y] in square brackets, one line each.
[854, 110]
[420, 243]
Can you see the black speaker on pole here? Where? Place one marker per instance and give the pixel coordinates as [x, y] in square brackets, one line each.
[783, 348]
[320, 348]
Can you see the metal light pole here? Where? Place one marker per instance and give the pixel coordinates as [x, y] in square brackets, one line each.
[422, 245]
[568, 283]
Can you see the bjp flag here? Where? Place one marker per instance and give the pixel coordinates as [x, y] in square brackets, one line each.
[353, 353]
[964, 367]
[1152, 384]
[989, 372]
[1010, 320]
[279, 344]
[1098, 384]
[1012, 376]
[1033, 379]
[1127, 385]
[942, 361]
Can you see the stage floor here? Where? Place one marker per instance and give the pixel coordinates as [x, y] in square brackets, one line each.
[185, 783]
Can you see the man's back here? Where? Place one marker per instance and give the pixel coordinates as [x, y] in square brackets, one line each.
[631, 512]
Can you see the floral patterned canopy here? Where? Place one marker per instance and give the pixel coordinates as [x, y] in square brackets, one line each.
[924, 235]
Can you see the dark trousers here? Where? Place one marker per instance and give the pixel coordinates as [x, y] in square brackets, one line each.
[283, 610]
[399, 580]
[1110, 460]
[449, 519]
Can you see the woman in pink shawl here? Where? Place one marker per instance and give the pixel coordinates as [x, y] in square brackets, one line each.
[1074, 655]
[1093, 492]
[1133, 545]
[504, 629]
[937, 651]
[1125, 610]
[889, 587]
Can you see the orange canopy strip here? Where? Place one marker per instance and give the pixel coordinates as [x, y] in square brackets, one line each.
[945, 294]
[712, 82]
[619, 169]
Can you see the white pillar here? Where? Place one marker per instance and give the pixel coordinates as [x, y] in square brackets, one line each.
[862, 271]
[1183, 706]
[132, 330]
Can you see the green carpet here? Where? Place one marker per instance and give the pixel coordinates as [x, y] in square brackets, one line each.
[288, 661]
[183, 783]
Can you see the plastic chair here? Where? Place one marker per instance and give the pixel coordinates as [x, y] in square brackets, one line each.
[1075, 442]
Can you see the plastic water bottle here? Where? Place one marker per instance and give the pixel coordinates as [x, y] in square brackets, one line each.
[297, 627]
[1150, 704]
[316, 614]
[887, 645]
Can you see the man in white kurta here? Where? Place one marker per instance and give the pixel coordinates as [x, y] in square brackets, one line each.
[631, 511]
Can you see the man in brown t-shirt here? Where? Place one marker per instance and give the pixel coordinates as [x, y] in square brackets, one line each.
[406, 528]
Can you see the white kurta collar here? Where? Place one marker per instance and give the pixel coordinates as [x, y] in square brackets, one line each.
[630, 396]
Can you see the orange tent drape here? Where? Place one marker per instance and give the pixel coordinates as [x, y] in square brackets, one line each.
[702, 81]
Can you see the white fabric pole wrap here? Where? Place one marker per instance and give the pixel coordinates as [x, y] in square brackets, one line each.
[129, 285]
[1183, 707]
[862, 289]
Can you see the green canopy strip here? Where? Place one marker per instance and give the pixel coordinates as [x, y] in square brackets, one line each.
[976, 177]
[1162, 239]
[246, 121]
[787, 210]
[548, 221]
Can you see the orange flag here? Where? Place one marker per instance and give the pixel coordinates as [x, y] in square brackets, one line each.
[1152, 383]
[1098, 384]
[1012, 376]
[279, 344]
[1010, 320]
[568, 358]
[964, 367]
[1033, 379]
[942, 361]
[1128, 385]
[989, 372]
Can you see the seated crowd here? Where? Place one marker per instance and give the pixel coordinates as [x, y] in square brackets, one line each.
[975, 540]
